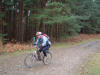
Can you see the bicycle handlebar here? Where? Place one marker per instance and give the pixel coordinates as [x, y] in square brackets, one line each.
[35, 46]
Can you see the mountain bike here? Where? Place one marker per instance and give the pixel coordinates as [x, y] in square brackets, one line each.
[31, 58]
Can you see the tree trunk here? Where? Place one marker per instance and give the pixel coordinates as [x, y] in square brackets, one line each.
[57, 31]
[37, 26]
[21, 21]
[43, 27]
[27, 26]
[51, 32]
[9, 24]
[44, 3]
[0, 19]
[44, 6]
[15, 25]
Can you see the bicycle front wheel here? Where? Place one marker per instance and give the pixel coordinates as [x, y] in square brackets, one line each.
[30, 60]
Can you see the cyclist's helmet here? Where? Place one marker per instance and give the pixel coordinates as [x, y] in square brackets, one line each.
[38, 33]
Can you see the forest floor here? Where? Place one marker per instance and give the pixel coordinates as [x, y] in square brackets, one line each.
[67, 60]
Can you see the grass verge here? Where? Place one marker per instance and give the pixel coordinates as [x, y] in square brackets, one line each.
[92, 67]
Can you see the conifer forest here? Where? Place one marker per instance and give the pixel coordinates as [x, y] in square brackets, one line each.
[21, 19]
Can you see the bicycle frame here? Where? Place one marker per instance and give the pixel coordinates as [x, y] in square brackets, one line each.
[36, 54]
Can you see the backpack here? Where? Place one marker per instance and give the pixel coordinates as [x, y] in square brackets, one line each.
[46, 35]
[49, 42]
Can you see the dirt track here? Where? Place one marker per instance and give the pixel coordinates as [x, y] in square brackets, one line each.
[65, 61]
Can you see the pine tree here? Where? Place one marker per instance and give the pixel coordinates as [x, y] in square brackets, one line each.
[87, 12]
[59, 14]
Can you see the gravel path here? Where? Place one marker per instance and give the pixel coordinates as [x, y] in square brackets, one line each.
[65, 61]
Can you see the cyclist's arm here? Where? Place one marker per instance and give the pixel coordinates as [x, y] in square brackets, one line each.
[36, 43]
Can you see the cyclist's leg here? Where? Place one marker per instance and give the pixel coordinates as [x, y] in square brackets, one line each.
[45, 49]
[44, 52]
[38, 52]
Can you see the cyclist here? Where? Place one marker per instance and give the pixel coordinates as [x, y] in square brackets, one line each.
[43, 43]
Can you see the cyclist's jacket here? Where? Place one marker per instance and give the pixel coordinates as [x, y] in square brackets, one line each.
[43, 40]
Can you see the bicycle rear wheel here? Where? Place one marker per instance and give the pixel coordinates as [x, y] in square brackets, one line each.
[30, 60]
[48, 58]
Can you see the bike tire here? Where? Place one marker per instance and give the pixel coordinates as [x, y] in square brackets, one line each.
[47, 60]
[30, 60]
